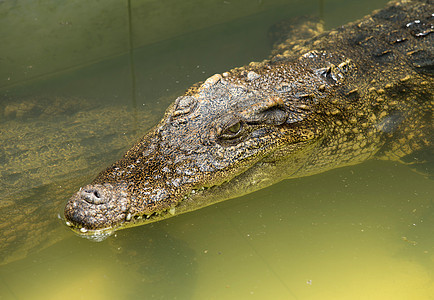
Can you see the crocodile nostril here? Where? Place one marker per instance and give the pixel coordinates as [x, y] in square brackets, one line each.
[96, 194]
[92, 196]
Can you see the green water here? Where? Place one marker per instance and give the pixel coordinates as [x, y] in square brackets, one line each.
[361, 232]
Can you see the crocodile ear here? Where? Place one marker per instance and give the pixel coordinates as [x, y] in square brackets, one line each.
[274, 111]
[271, 111]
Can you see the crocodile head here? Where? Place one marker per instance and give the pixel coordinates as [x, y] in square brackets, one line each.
[229, 136]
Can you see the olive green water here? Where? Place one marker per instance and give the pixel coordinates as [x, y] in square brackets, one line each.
[361, 232]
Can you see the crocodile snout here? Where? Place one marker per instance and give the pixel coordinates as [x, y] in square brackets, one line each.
[98, 206]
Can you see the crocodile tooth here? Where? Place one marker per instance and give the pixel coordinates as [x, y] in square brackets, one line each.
[128, 218]
[172, 211]
[83, 230]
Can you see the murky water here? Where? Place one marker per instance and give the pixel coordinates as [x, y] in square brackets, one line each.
[361, 232]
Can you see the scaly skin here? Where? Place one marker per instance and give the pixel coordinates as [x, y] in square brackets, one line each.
[361, 91]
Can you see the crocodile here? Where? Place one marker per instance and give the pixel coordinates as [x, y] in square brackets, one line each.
[333, 99]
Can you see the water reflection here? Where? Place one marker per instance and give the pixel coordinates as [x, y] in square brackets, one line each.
[163, 266]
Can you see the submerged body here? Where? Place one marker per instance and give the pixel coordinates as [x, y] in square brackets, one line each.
[336, 99]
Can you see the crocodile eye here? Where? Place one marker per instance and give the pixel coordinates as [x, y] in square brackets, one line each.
[234, 128]
[232, 131]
